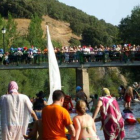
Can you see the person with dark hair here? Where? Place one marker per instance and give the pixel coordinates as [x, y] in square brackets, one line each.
[35, 132]
[15, 113]
[94, 101]
[121, 91]
[80, 95]
[68, 103]
[84, 130]
[39, 104]
[55, 119]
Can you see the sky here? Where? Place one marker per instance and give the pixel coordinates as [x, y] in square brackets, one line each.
[112, 11]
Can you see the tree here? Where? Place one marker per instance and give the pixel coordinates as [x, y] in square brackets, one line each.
[2, 23]
[74, 42]
[35, 32]
[129, 28]
[11, 32]
[94, 36]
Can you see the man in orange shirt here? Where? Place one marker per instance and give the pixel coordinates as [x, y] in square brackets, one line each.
[55, 118]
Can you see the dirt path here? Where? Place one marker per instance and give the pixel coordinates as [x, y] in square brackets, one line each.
[59, 30]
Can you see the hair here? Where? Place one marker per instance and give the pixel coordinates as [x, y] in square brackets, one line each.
[96, 96]
[106, 91]
[58, 94]
[81, 107]
[129, 90]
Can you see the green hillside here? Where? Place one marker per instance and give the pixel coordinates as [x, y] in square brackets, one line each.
[79, 21]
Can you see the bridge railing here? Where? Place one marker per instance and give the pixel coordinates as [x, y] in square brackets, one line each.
[72, 57]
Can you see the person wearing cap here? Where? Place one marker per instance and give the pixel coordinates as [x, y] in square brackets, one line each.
[39, 104]
[80, 95]
[112, 121]
[15, 113]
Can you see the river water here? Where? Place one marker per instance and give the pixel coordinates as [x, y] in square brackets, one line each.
[132, 131]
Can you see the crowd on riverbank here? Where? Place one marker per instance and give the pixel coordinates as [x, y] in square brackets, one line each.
[51, 121]
[72, 54]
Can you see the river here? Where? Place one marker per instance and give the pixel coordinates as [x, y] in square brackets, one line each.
[132, 131]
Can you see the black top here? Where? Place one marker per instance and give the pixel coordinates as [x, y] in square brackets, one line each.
[38, 104]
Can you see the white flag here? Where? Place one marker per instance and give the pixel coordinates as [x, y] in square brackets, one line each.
[54, 73]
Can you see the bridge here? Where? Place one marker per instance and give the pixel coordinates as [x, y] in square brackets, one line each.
[69, 65]
[80, 64]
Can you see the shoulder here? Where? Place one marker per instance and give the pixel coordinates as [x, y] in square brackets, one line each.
[88, 116]
[23, 96]
[76, 118]
[65, 111]
[3, 96]
[101, 98]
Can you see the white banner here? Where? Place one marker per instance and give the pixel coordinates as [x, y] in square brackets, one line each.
[54, 73]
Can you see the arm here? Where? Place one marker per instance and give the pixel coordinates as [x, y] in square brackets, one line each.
[71, 130]
[124, 95]
[85, 96]
[32, 133]
[34, 115]
[93, 126]
[71, 103]
[90, 101]
[137, 94]
[29, 106]
[98, 107]
[45, 103]
[132, 97]
[77, 128]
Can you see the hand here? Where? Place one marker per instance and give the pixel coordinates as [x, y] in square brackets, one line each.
[26, 136]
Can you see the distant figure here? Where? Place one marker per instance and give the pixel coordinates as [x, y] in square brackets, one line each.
[80, 95]
[39, 104]
[112, 121]
[94, 101]
[15, 113]
[37, 130]
[55, 119]
[68, 103]
[135, 90]
[128, 96]
[121, 91]
[84, 125]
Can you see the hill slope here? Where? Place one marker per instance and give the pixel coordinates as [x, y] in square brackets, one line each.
[60, 31]
[80, 22]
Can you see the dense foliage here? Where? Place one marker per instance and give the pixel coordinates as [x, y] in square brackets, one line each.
[79, 21]
[130, 27]
[32, 81]
[129, 32]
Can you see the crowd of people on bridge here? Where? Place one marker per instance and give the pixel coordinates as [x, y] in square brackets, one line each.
[73, 54]
[54, 121]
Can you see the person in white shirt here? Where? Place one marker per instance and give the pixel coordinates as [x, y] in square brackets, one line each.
[16, 109]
